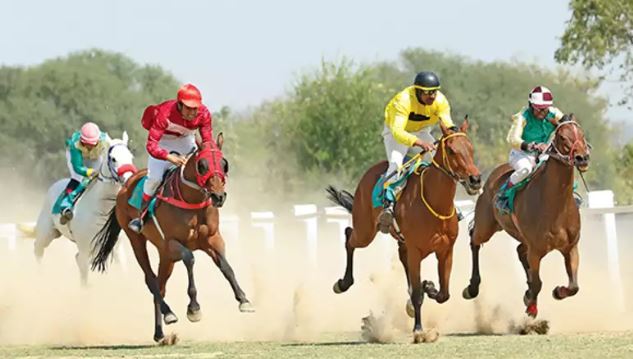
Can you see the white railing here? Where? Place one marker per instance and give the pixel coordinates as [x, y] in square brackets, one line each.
[316, 220]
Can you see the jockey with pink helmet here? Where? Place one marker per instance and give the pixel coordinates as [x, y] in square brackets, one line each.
[83, 153]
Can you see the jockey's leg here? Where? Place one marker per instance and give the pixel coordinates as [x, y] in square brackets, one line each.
[73, 184]
[395, 155]
[155, 170]
[523, 164]
[66, 206]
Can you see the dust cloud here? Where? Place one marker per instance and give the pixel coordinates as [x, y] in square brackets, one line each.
[43, 303]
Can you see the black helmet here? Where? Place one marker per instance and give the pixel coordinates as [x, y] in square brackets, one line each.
[427, 80]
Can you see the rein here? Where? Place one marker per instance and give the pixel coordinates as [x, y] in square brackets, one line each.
[447, 170]
[555, 153]
[178, 200]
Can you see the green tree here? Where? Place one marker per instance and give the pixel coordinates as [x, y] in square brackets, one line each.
[599, 35]
[41, 106]
[327, 128]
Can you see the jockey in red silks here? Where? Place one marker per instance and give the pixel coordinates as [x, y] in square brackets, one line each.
[172, 126]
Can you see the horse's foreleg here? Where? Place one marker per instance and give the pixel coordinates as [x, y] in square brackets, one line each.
[522, 253]
[444, 267]
[535, 284]
[571, 266]
[82, 262]
[402, 254]
[139, 246]
[178, 252]
[417, 297]
[216, 251]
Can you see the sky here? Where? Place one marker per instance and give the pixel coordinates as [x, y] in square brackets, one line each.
[242, 52]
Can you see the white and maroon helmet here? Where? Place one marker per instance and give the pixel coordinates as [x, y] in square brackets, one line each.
[541, 97]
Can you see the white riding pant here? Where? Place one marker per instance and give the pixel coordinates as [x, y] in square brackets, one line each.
[156, 168]
[396, 151]
[523, 164]
[95, 165]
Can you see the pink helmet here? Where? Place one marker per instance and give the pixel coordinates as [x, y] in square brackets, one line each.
[90, 133]
[541, 97]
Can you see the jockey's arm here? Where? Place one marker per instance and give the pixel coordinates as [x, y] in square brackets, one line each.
[154, 136]
[206, 131]
[398, 130]
[515, 134]
[444, 114]
[77, 161]
[558, 115]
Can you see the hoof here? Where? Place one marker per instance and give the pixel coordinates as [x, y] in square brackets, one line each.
[170, 318]
[425, 336]
[339, 287]
[194, 316]
[467, 294]
[429, 287]
[171, 339]
[563, 292]
[409, 308]
[532, 310]
[247, 307]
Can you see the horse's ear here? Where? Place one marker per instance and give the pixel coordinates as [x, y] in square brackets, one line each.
[465, 125]
[125, 138]
[220, 140]
[445, 130]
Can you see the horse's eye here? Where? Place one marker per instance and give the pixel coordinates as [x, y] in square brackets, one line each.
[114, 160]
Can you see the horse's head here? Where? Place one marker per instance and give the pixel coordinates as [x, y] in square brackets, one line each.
[120, 159]
[569, 145]
[211, 170]
[455, 157]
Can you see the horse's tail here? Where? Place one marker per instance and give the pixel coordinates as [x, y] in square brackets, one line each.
[342, 198]
[104, 241]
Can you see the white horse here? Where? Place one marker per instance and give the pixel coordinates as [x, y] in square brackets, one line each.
[92, 208]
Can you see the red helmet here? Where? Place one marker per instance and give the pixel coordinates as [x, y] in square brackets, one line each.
[190, 96]
[541, 97]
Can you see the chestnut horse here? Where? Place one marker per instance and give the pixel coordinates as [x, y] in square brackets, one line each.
[545, 215]
[426, 216]
[185, 219]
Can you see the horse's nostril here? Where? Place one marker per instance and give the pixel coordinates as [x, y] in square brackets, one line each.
[475, 179]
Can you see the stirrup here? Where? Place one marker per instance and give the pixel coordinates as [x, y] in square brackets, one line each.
[136, 225]
[385, 219]
[65, 216]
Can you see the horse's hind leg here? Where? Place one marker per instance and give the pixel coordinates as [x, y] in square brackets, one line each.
[571, 266]
[484, 227]
[45, 232]
[179, 252]
[215, 250]
[353, 239]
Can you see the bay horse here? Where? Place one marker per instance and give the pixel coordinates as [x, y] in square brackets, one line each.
[426, 216]
[545, 216]
[114, 167]
[186, 218]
